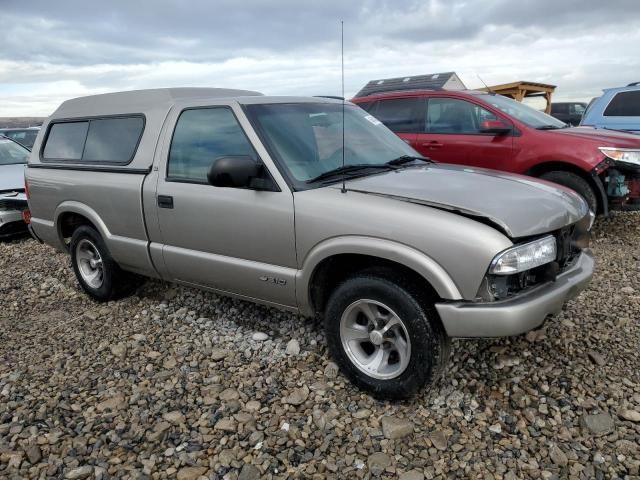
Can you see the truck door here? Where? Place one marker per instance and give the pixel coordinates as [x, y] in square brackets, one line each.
[232, 240]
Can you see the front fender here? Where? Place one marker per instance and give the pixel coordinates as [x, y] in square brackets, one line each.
[407, 256]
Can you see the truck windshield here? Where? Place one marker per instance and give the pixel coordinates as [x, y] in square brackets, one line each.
[306, 139]
[11, 153]
[527, 115]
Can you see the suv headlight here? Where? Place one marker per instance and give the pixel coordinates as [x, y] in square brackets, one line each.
[521, 258]
[627, 155]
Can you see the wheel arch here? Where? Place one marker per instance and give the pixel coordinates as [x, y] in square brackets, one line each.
[591, 178]
[70, 215]
[333, 259]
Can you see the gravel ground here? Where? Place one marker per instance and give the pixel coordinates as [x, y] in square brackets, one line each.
[176, 383]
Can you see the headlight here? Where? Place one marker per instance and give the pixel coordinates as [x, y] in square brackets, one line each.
[622, 154]
[524, 257]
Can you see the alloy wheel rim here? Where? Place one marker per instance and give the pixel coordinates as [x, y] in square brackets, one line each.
[90, 264]
[375, 339]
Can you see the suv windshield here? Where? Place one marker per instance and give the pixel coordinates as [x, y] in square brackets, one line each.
[306, 139]
[527, 115]
[11, 153]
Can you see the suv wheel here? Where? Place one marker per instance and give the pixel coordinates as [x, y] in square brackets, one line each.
[576, 183]
[98, 274]
[385, 336]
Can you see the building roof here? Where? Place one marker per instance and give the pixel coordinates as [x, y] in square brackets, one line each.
[431, 81]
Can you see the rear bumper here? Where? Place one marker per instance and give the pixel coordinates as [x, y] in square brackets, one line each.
[519, 314]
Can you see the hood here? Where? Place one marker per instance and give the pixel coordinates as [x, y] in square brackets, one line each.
[518, 205]
[12, 177]
[602, 136]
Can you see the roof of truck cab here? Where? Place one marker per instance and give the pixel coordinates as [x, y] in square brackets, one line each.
[141, 101]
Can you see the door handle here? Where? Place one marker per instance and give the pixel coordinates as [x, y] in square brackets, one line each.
[165, 201]
[432, 145]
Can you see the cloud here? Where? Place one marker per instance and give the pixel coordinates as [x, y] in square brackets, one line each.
[50, 51]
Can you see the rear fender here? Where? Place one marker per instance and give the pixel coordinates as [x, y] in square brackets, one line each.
[131, 254]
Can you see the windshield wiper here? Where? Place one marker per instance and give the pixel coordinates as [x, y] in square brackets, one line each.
[401, 160]
[346, 169]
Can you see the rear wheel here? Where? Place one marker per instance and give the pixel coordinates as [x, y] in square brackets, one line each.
[385, 335]
[576, 183]
[98, 274]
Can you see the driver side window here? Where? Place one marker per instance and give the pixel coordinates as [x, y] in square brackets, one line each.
[202, 135]
[450, 115]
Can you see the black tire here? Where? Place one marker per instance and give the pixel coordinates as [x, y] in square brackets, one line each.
[429, 343]
[116, 283]
[576, 183]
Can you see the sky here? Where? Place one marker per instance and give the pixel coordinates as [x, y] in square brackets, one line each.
[54, 50]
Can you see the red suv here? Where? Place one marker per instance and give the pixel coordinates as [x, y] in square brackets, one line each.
[491, 131]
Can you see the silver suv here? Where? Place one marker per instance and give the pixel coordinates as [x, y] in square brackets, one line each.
[311, 205]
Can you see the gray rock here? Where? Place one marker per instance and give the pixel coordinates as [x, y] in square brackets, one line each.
[226, 425]
[176, 417]
[249, 472]
[260, 337]
[298, 396]
[631, 415]
[119, 350]
[362, 413]
[411, 475]
[378, 462]
[218, 354]
[331, 370]
[495, 428]
[596, 358]
[597, 424]
[229, 394]
[558, 456]
[191, 473]
[114, 403]
[34, 454]
[439, 440]
[394, 428]
[293, 347]
[79, 473]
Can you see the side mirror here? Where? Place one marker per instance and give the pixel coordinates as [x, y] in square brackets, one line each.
[233, 171]
[496, 127]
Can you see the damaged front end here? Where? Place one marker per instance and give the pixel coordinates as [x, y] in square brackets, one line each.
[546, 257]
[620, 174]
[13, 205]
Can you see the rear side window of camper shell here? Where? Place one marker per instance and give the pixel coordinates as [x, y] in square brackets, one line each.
[112, 140]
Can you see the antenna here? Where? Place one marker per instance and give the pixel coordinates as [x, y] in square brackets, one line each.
[485, 85]
[344, 189]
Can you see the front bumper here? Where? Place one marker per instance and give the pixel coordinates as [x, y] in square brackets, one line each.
[11, 222]
[521, 313]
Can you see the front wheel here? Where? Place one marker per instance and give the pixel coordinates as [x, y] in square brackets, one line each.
[576, 183]
[385, 335]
